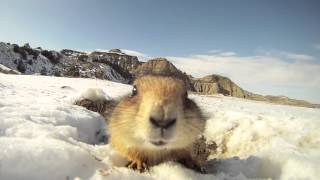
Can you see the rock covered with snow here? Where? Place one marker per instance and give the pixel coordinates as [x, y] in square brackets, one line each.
[27, 60]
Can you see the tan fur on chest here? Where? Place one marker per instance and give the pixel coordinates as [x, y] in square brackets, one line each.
[151, 157]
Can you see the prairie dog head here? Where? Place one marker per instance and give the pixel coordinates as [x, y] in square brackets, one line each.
[157, 115]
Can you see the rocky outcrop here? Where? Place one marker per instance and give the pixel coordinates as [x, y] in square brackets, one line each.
[126, 62]
[205, 87]
[161, 66]
[216, 84]
[280, 100]
[27, 60]
[122, 63]
[69, 63]
[255, 97]
[288, 101]
[69, 52]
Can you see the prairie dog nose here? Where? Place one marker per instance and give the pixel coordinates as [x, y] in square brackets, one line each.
[162, 123]
[163, 115]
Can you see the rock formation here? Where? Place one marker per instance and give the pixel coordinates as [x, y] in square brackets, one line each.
[214, 84]
[128, 63]
[161, 66]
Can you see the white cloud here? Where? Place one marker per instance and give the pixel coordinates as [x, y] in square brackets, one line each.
[317, 46]
[269, 69]
[222, 53]
[133, 53]
[214, 51]
[141, 56]
[229, 53]
[298, 57]
[285, 55]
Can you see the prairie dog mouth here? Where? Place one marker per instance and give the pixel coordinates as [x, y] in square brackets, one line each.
[158, 143]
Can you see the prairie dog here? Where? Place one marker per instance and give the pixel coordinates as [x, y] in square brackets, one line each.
[156, 123]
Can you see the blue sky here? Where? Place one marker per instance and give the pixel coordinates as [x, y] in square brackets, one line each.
[281, 35]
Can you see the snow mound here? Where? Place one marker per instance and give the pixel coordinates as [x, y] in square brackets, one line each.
[94, 94]
[44, 136]
[44, 158]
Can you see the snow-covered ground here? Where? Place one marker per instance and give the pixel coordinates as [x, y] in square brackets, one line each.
[44, 136]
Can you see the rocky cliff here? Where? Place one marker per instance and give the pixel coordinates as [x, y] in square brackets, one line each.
[27, 60]
[214, 84]
[161, 66]
[126, 62]
[122, 63]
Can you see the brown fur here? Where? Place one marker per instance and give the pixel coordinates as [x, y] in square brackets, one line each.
[129, 121]
[102, 106]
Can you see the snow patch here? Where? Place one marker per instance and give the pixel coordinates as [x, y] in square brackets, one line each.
[44, 136]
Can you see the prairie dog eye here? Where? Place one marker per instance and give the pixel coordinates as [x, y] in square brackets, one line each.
[185, 95]
[185, 98]
[134, 91]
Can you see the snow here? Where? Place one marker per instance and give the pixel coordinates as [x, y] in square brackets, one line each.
[94, 94]
[6, 70]
[44, 136]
